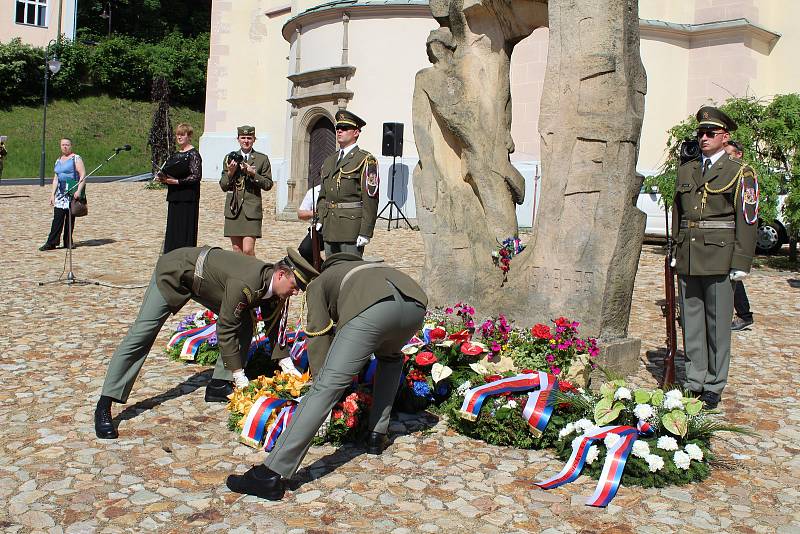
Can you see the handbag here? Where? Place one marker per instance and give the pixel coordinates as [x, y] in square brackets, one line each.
[177, 165]
[78, 207]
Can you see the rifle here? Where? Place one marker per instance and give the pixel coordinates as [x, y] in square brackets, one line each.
[669, 289]
[315, 244]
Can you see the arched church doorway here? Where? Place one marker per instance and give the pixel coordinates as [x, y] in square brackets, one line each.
[322, 143]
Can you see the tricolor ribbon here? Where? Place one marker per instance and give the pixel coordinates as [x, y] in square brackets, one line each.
[299, 350]
[193, 338]
[538, 408]
[256, 422]
[279, 425]
[616, 456]
[754, 218]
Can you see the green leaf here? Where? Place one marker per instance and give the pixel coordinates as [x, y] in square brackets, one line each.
[658, 398]
[606, 411]
[642, 396]
[692, 406]
[607, 390]
[675, 422]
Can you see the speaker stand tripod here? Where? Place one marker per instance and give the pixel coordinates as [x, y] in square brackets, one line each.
[392, 205]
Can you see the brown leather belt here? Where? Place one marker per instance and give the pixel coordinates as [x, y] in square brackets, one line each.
[709, 225]
[333, 205]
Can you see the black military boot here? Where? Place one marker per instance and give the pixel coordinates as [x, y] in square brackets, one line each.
[218, 390]
[103, 423]
[259, 481]
[375, 442]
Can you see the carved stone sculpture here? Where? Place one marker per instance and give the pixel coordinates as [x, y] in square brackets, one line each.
[582, 256]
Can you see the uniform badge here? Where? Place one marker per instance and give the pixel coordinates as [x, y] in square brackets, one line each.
[373, 180]
[750, 195]
[240, 307]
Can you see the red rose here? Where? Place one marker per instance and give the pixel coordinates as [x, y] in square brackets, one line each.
[492, 378]
[425, 358]
[541, 331]
[471, 349]
[437, 334]
[566, 387]
[351, 422]
[337, 414]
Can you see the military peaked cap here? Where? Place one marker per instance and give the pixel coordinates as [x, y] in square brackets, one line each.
[303, 271]
[711, 117]
[346, 118]
[246, 130]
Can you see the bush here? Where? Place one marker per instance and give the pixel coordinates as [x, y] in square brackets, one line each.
[119, 66]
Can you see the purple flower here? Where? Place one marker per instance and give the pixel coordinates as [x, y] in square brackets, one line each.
[448, 311]
[495, 346]
[555, 370]
[550, 358]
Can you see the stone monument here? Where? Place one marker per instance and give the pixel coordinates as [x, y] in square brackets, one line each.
[582, 256]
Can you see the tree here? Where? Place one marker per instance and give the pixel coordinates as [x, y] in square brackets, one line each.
[150, 20]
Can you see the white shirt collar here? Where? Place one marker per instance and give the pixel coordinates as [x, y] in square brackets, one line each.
[268, 294]
[715, 157]
[346, 150]
[246, 154]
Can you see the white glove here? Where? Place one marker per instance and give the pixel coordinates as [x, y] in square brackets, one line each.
[287, 366]
[737, 275]
[673, 262]
[239, 379]
[362, 241]
[319, 226]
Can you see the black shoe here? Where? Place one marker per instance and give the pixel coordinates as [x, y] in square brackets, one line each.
[47, 247]
[218, 390]
[710, 400]
[103, 424]
[259, 481]
[740, 324]
[375, 443]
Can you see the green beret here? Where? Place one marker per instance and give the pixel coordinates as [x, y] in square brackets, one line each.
[245, 130]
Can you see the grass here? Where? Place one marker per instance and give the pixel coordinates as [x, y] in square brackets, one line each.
[96, 126]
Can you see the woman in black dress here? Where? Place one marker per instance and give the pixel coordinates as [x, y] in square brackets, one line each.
[182, 173]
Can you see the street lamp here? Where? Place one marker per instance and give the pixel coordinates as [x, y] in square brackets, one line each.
[51, 65]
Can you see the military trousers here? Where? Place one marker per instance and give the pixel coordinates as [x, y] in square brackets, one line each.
[129, 357]
[383, 329]
[706, 313]
[333, 248]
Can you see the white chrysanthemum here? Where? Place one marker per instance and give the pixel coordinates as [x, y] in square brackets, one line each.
[463, 388]
[681, 459]
[673, 399]
[583, 425]
[198, 315]
[641, 449]
[654, 462]
[667, 443]
[622, 393]
[694, 452]
[643, 411]
[610, 440]
[510, 404]
[567, 430]
[592, 454]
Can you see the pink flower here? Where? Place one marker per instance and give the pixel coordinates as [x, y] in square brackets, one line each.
[555, 370]
[495, 346]
[550, 358]
[448, 311]
[351, 422]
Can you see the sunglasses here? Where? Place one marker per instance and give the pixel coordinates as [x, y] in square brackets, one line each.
[345, 128]
[708, 133]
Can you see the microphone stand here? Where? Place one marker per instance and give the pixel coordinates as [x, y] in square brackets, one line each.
[71, 191]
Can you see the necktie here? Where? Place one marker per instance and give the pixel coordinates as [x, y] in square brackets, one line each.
[341, 155]
[706, 165]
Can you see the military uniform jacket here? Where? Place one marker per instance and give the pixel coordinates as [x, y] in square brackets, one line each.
[244, 192]
[727, 193]
[354, 180]
[329, 303]
[232, 284]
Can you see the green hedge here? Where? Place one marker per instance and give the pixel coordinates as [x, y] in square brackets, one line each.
[120, 66]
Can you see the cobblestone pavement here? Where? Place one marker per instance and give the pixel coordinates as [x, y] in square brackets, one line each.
[166, 472]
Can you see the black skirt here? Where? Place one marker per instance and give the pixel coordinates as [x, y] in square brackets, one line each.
[182, 221]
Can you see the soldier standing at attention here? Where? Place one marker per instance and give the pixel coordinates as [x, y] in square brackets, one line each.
[243, 181]
[227, 283]
[714, 220]
[348, 199]
[379, 317]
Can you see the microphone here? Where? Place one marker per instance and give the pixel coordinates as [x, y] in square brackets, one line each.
[126, 148]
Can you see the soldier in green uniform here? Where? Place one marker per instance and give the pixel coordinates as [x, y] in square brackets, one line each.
[714, 221]
[229, 284]
[243, 181]
[348, 199]
[379, 317]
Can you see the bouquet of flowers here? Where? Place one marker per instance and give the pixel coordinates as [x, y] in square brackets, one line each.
[348, 418]
[280, 385]
[508, 249]
[193, 329]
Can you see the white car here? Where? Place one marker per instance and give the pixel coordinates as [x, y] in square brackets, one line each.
[771, 236]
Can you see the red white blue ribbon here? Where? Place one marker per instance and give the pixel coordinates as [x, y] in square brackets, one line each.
[613, 467]
[193, 338]
[279, 425]
[538, 408]
[256, 422]
[299, 351]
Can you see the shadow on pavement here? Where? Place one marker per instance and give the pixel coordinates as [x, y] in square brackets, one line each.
[189, 385]
[654, 364]
[94, 242]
